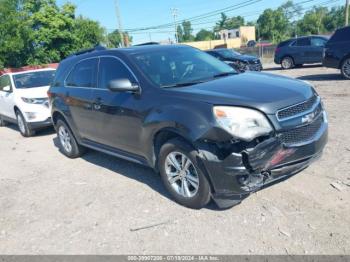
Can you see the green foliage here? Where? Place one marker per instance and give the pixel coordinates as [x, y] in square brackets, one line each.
[38, 32]
[184, 32]
[229, 23]
[204, 35]
[114, 39]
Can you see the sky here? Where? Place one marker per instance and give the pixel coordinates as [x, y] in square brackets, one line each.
[145, 13]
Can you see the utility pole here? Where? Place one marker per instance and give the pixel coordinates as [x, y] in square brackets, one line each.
[174, 12]
[120, 27]
[347, 12]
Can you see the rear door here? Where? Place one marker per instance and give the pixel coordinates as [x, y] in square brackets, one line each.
[316, 51]
[79, 85]
[116, 119]
[303, 50]
[6, 98]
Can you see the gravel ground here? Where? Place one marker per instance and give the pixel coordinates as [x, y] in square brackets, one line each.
[98, 204]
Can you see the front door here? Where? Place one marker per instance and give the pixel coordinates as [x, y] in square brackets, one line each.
[78, 96]
[6, 97]
[116, 118]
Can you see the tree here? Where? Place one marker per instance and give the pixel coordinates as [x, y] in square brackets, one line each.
[221, 23]
[204, 35]
[184, 32]
[114, 39]
[229, 23]
[273, 25]
[313, 21]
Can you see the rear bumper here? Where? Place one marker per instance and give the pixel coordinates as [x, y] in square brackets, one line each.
[40, 124]
[240, 174]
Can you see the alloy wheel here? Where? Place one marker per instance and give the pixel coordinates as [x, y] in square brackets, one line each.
[181, 174]
[287, 63]
[21, 124]
[346, 68]
[65, 139]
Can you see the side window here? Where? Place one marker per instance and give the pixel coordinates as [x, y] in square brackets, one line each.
[315, 41]
[5, 81]
[83, 74]
[303, 42]
[111, 69]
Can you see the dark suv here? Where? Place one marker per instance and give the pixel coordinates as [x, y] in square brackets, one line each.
[208, 131]
[337, 51]
[299, 51]
[236, 60]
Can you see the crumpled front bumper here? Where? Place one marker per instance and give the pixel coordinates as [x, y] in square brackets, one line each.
[239, 174]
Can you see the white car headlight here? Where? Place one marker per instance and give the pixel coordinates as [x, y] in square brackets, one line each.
[37, 101]
[241, 122]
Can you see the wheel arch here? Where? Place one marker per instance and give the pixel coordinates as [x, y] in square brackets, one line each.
[347, 56]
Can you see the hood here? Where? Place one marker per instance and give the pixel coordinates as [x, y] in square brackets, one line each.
[265, 92]
[244, 58]
[35, 92]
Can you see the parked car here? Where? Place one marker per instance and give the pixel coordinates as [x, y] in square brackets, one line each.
[239, 62]
[24, 101]
[298, 51]
[209, 131]
[337, 51]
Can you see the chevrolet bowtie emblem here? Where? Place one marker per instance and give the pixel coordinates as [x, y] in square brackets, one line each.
[308, 118]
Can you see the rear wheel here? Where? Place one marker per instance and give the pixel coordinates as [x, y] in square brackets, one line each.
[67, 142]
[23, 127]
[182, 175]
[345, 68]
[287, 62]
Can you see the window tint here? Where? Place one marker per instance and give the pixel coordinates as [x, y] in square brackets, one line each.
[303, 41]
[112, 69]
[284, 43]
[316, 41]
[83, 74]
[4, 81]
[33, 79]
[341, 35]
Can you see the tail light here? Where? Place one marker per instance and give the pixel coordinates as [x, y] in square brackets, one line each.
[49, 94]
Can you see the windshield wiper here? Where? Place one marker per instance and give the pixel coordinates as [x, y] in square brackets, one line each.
[182, 84]
[225, 74]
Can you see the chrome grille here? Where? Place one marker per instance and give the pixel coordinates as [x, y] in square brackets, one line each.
[302, 134]
[296, 109]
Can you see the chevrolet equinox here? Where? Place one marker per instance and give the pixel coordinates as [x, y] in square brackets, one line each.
[210, 132]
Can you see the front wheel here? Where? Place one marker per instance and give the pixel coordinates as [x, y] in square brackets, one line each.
[67, 143]
[345, 68]
[287, 63]
[23, 127]
[182, 175]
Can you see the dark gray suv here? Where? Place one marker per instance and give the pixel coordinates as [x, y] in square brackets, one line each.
[298, 51]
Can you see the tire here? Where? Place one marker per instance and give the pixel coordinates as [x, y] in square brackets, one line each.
[67, 142]
[287, 62]
[2, 122]
[345, 68]
[23, 127]
[190, 186]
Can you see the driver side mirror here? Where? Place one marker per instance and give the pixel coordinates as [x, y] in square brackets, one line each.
[123, 85]
[6, 89]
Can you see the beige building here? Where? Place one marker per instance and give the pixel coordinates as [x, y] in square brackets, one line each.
[234, 38]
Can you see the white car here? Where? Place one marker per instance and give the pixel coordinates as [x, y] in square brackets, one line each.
[24, 100]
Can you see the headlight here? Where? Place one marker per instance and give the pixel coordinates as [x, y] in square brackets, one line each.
[242, 123]
[38, 101]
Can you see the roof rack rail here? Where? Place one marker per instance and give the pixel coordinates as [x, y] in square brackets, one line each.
[84, 51]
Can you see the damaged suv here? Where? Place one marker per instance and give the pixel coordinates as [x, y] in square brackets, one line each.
[210, 132]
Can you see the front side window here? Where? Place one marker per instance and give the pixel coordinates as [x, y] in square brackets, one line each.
[34, 79]
[5, 81]
[180, 66]
[316, 41]
[228, 53]
[112, 69]
[83, 74]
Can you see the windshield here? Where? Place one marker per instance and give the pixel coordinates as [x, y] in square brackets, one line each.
[180, 66]
[228, 53]
[34, 79]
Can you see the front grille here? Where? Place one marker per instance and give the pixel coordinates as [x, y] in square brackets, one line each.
[302, 134]
[296, 109]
